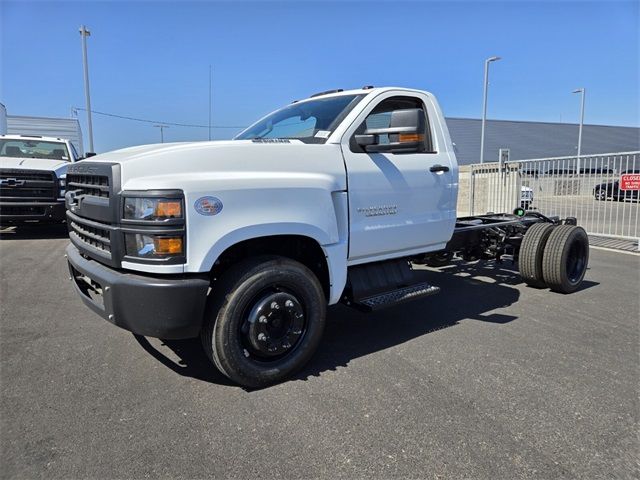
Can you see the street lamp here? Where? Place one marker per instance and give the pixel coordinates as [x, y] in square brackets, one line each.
[484, 103]
[582, 92]
[84, 33]
[161, 127]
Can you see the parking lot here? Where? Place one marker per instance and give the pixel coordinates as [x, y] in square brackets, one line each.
[489, 379]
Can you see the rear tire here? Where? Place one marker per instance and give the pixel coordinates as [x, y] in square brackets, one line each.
[565, 258]
[264, 320]
[531, 253]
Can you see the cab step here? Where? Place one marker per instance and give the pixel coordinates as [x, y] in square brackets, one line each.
[395, 297]
[384, 284]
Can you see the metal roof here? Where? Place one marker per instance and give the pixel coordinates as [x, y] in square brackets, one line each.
[536, 139]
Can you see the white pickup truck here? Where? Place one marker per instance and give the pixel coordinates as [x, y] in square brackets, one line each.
[245, 242]
[32, 178]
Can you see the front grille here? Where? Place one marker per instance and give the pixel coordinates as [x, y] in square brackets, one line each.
[22, 211]
[91, 234]
[24, 185]
[94, 185]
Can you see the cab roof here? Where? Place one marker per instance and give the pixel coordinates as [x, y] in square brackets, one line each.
[366, 90]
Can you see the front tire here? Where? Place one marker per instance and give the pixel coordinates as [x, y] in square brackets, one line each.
[601, 195]
[264, 320]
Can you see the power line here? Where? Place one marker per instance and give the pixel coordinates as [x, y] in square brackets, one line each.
[174, 124]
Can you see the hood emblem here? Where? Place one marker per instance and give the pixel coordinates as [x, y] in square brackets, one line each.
[208, 206]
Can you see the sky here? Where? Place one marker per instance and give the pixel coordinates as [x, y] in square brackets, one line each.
[151, 60]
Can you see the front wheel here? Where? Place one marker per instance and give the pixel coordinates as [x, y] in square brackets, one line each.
[601, 194]
[264, 320]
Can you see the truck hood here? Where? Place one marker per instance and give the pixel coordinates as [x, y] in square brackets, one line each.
[241, 163]
[32, 163]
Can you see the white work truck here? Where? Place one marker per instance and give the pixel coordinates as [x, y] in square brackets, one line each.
[245, 242]
[32, 178]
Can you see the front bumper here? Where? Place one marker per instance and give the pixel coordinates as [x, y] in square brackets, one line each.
[18, 212]
[168, 306]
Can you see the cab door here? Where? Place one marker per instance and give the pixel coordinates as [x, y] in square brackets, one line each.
[401, 201]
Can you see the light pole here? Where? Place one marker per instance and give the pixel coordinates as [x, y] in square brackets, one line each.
[582, 92]
[84, 33]
[484, 102]
[209, 102]
[161, 127]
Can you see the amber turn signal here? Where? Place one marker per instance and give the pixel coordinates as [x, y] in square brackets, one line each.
[169, 209]
[167, 245]
[410, 137]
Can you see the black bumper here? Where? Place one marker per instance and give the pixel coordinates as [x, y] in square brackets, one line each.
[168, 306]
[18, 212]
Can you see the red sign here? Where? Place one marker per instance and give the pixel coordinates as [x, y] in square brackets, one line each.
[630, 181]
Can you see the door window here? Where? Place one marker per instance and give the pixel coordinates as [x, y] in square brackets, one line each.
[380, 117]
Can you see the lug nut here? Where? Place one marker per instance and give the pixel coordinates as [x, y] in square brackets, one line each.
[288, 304]
[262, 337]
[262, 319]
[275, 306]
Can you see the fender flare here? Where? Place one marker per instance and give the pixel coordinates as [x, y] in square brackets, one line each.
[335, 251]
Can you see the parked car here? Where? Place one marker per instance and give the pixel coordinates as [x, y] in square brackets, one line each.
[596, 171]
[611, 190]
[526, 197]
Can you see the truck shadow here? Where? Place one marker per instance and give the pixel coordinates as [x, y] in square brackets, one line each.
[34, 232]
[349, 334]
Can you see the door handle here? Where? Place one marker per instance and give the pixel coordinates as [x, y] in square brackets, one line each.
[439, 168]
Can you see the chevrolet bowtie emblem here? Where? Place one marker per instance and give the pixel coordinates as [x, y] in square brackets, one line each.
[12, 182]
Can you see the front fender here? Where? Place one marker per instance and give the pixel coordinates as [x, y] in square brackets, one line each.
[262, 230]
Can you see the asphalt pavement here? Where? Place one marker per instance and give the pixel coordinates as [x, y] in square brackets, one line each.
[487, 380]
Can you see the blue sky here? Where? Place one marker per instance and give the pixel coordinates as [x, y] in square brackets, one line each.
[151, 59]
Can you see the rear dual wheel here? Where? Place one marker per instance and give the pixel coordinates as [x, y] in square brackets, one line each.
[264, 320]
[565, 258]
[554, 256]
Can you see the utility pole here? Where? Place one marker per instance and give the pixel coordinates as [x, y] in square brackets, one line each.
[161, 127]
[209, 102]
[582, 92]
[84, 33]
[484, 102]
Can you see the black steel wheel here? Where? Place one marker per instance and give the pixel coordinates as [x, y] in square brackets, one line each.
[530, 255]
[565, 258]
[265, 318]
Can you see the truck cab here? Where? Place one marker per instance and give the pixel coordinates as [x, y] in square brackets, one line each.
[32, 178]
[244, 243]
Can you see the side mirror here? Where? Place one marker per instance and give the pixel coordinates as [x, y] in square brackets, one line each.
[90, 154]
[406, 133]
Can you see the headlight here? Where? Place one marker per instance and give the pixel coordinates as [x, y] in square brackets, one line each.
[154, 209]
[153, 246]
[62, 183]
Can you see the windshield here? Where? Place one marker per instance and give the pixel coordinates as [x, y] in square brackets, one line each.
[33, 149]
[311, 121]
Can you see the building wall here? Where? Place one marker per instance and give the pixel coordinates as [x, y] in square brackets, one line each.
[527, 140]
